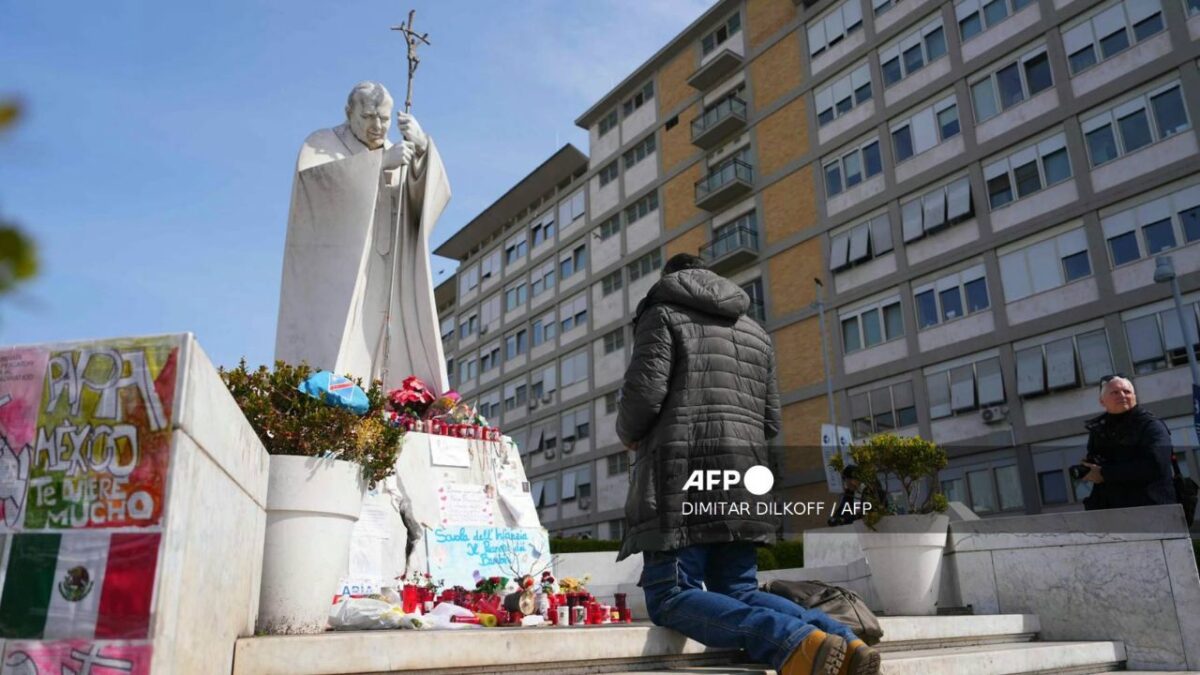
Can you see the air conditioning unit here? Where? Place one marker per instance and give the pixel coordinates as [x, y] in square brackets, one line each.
[533, 404]
[483, 330]
[568, 444]
[548, 453]
[993, 414]
[585, 503]
[547, 399]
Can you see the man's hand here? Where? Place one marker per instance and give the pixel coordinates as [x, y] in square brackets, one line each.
[400, 154]
[1094, 475]
[412, 132]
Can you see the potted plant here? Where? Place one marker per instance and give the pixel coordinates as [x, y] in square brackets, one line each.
[903, 542]
[323, 458]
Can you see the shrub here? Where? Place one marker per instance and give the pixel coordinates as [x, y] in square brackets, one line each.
[290, 422]
[914, 462]
[766, 558]
[789, 554]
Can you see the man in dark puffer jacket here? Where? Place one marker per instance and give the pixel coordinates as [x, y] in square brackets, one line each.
[1129, 452]
[700, 394]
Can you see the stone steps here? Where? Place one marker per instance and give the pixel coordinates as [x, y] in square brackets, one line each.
[912, 643]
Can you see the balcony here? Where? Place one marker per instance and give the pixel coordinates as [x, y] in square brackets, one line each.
[716, 69]
[726, 182]
[733, 248]
[719, 122]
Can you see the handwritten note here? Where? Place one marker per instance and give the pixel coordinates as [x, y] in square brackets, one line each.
[466, 504]
[460, 555]
[447, 451]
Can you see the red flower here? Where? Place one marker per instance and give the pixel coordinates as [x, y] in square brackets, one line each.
[494, 580]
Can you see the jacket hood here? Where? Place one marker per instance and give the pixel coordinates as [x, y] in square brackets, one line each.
[699, 289]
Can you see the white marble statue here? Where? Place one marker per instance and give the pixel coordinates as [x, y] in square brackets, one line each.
[357, 295]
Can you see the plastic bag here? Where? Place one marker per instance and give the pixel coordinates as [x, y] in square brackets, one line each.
[368, 614]
[336, 391]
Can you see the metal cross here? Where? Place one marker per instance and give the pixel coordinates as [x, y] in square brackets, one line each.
[412, 38]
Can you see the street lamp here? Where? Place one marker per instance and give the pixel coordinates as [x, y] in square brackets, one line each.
[1164, 271]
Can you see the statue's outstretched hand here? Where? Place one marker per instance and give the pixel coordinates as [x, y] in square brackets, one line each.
[412, 131]
[400, 154]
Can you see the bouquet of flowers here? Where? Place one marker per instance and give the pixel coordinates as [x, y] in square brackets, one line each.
[549, 585]
[574, 585]
[491, 585]
[414, 406]
[425, 581]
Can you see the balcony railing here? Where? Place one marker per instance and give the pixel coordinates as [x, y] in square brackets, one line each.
[719, 122]
[724, 183]
[732, 248]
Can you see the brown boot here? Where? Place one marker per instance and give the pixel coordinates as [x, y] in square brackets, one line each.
[818, 654]
[860, 660]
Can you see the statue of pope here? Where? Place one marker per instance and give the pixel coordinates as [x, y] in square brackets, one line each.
[357, 294]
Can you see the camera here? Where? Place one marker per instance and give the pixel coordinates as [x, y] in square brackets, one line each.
[1078, 471]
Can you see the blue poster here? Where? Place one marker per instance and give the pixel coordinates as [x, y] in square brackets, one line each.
[463, 555]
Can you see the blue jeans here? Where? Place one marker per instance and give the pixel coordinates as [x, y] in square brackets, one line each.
[732, 613]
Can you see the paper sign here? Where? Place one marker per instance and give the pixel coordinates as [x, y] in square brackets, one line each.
[461, 555]
[76, 656]
[466, 504]
[448, 451]
[512, 486]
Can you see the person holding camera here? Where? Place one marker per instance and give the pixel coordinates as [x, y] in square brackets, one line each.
[1128, 452]
[855, 493]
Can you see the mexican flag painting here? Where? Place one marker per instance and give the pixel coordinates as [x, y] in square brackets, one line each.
[85, 584]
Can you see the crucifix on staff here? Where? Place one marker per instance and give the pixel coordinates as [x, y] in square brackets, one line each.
[412, 38]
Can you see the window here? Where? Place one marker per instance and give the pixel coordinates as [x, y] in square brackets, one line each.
[543, 279]
[943, 300]
[966, 387]
[544, 328]
[987, 488]
[573, 313]
[544, 383]
[489, 405]
[925, 129]
[1157, 341]
[468, 326]
[609, 173]
[863, 242]
[1027, 171]
[515, 249]
[515, 296]
[913, 52]
[516, 394]
[1063, 363]
[1130, 126]
[543, 229]
[618, 463]
[489, 357]
[614, 340]
[843, 94]
[611, 283]
[516, 344]
[608, 122]
[1109, 32]
[573, 261]
[1044, 265]
[611, 400]
[576, 425]
[641, 208]
[610, 228]
[491, 265]
[757, 310]
[468, 370]
[641, 98]
[1011, 84]
[638, 152]
[873, 324]
[723, 32]
[1154, 226]
[645, 265]
[469, 280]
[447, 326]
[832, 28]
[489, 313]
[574, 368]
[450, 369]
[852, 168]
[977, 16]
[570, 208]
[884, 409]
[939, 208]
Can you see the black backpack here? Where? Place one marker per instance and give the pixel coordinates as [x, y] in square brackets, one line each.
[841, 604]
[1186, 492]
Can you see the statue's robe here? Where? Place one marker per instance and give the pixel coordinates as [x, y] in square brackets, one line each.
[357, 293]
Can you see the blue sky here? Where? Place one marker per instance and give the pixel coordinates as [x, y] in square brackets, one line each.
[153, 164]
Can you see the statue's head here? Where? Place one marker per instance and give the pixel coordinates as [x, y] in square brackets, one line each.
[369, 113]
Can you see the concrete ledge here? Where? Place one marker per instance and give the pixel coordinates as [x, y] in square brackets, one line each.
[1039, 657]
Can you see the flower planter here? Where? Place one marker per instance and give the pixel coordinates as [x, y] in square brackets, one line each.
[312, 505]
[905, 557]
